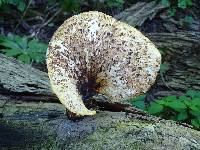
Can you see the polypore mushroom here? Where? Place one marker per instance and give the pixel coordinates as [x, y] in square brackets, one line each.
[93, 52]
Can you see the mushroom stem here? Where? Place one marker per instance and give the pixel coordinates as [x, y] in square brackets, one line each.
[66, 90]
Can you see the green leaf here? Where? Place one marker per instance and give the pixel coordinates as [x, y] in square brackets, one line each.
[195, 123]
[196, 102]
[21, 5]
[37, 57]
[184, 98]
[189, 2]
[22, 42]
[13, 52]
[164, 67]
[24, 58]
[193, 93]
[170, 98]
[188, 19]
[115, 3]
[163, 50]
[161, 101]
[184, 3]
[182, 115]
[10, 44]
[36, 46]
[176, 105]
[71, 5]
[155, 108]
[26, 51]
[13, 2]
[139, 104]
[171, 11]
[165, 2]
[139, 101]
[195, 113]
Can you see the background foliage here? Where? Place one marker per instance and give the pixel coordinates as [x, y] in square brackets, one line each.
[185, 108]
[24, 49]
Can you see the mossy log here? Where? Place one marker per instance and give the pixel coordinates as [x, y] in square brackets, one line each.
[45, 126]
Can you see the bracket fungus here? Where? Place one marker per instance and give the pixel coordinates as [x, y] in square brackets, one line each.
[93, 52]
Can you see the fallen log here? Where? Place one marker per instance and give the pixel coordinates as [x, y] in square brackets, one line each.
[21, 81]
[45, 126]
[139, 13]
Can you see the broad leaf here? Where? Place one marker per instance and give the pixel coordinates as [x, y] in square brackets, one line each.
[193, 93]
[170, 98]
[24, 58]
[155, 108]
[10, 44]
[139, 104]
[182, 4]
[21, 5]
[195, 113]
[36, 46]
[13, 52]
[182, 116]
[176, 105]
[165, 2]
[164, 67]
[195, 123]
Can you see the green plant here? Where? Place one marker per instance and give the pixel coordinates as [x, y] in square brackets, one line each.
[174, 5]
[183, 4]
[20, 4]
[184, 108]
[139, 101]
[68, 5]
[115, 3]
[24, 49]
[187, 20]
[164, 67]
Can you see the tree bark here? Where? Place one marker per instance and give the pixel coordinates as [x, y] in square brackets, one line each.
[139, 13]
[20, 81]
[45, 126]
[182, 52]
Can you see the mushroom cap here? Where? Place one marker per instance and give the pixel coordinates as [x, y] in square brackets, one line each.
[93, 52]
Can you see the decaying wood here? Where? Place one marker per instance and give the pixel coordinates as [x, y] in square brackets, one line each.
[139, 13]
[182, 52]
[23, 81]
[45, 126]
[17, 77]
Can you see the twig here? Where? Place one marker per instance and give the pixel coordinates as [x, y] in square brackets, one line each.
[163, 80]
[24, 13]
[48, 21]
